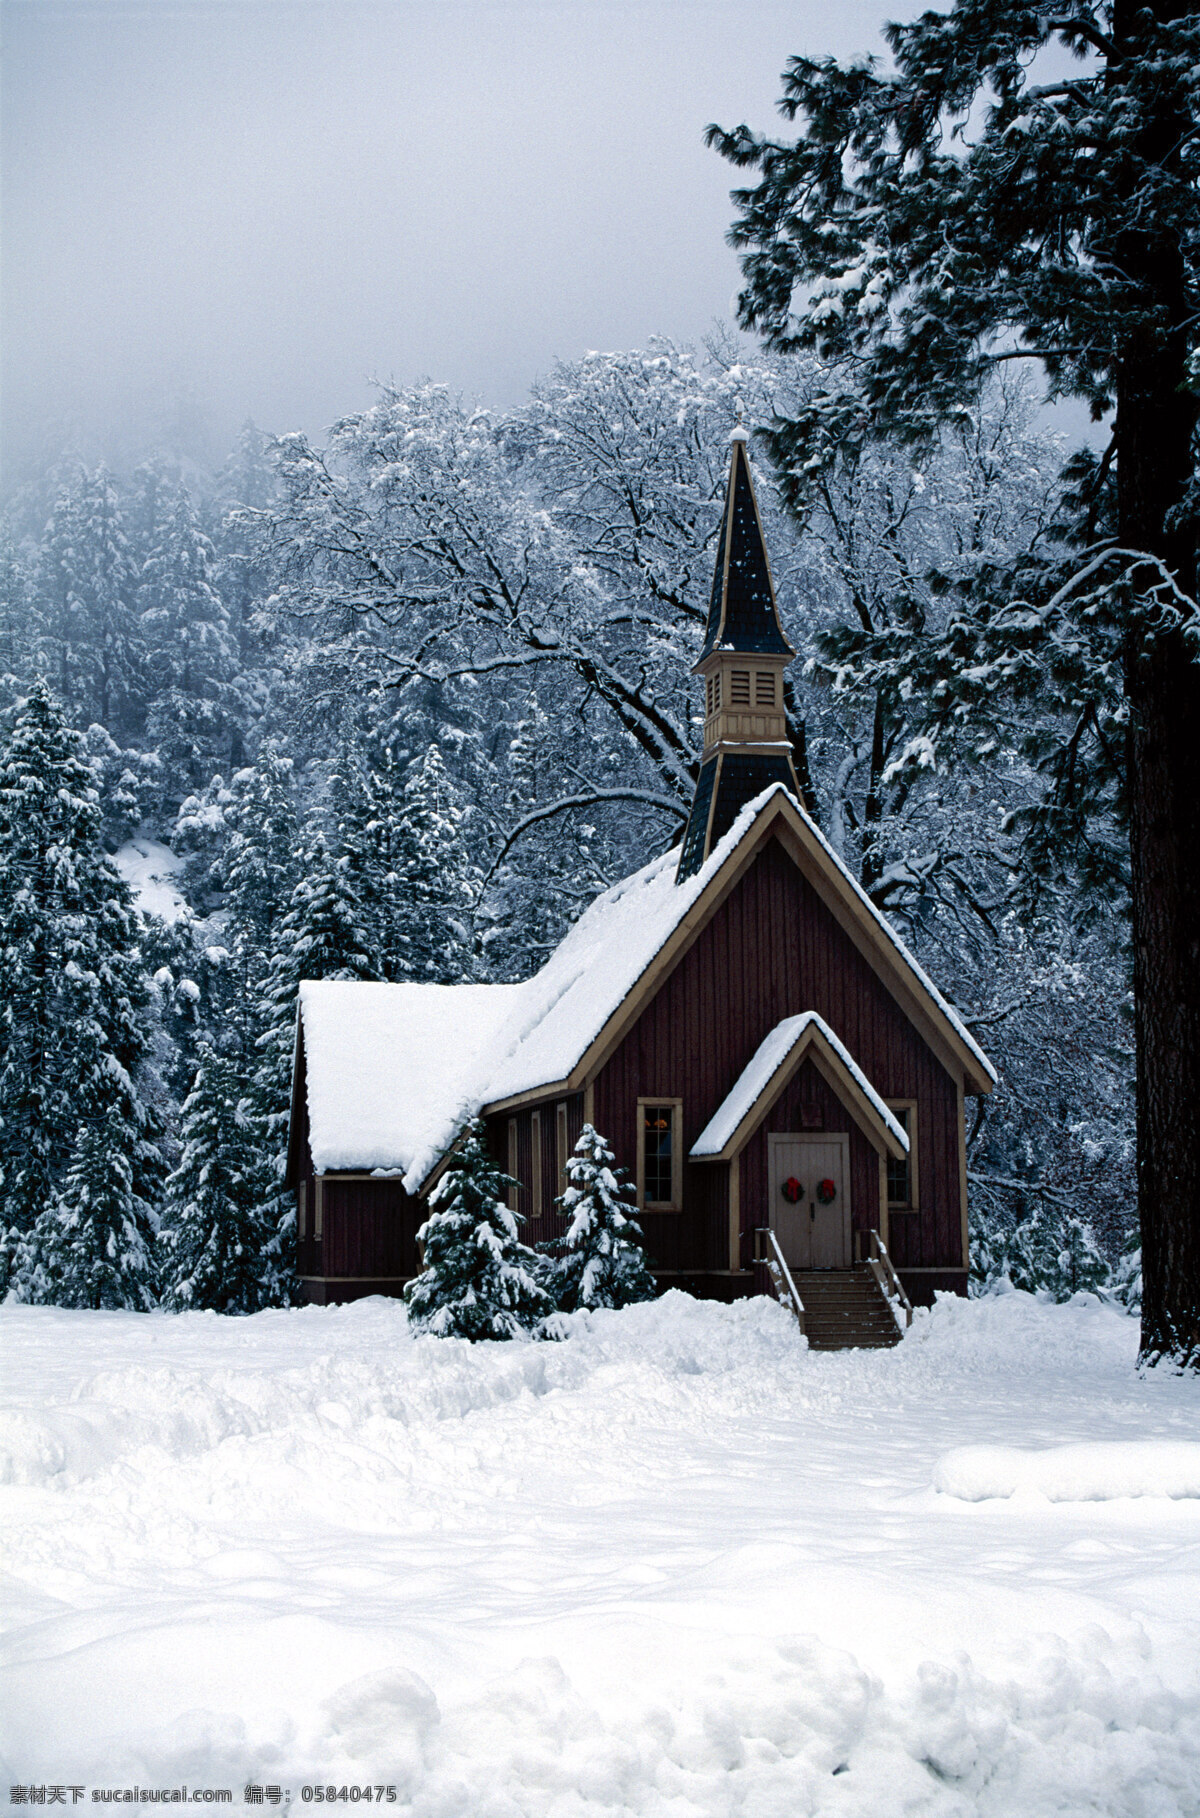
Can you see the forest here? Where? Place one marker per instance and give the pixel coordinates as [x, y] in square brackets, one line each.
[401, 704]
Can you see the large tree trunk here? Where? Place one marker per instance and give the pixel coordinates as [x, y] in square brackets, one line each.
[1156, 429]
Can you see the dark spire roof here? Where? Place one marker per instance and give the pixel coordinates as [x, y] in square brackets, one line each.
[741, 611]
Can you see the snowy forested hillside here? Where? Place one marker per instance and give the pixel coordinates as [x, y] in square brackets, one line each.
[674, 1564]
[398, 707]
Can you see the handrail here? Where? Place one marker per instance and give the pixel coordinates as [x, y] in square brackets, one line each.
[781, 1276]
[892, 1288]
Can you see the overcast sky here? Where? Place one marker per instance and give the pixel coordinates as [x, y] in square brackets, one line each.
[266, 203]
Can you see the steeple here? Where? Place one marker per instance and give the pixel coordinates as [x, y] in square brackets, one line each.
[746, 746]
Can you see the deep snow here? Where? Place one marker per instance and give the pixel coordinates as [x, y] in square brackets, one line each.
[674, 1565]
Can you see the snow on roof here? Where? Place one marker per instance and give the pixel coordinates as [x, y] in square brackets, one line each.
[395, 1071]
[387, 1064]
[754, 1079]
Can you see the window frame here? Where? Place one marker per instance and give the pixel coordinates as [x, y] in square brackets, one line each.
[535, 1169]
[561, 1144]
[913, 1202]
[675, 1106]
[514, 1157]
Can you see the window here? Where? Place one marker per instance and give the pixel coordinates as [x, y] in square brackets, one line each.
[764, 688]
[902, 1175]
[660, 1157]
[318, 1207]
[535, 1167]
[511, 1195]
[302, 1209]
[739, 688]
[560, 1133]
[712, 690]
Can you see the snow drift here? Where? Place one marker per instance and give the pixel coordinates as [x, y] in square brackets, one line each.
[674, 1564]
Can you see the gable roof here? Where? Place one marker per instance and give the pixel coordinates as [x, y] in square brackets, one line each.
[399, 1074]
[774, 1063]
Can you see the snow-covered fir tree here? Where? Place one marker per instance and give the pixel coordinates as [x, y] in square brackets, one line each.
[190, 652]
[91, 640]
[600, 1260]
[479, 1279]
[219, 1242]
[71, 987]
[1049, 1252]
[320, 937]
[93, 1243]
[432, 877]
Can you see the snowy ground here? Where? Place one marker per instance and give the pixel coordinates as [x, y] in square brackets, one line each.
[675, 1565]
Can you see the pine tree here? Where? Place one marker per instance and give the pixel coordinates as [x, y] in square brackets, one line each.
[92, 639]
[479, 1279]
[71, 988]
[218, 1248]
[1049, 1251]
[260, 861]
[191, 651]
[600, 1261]
[320, 937]
[93, 1244]
[432, 878]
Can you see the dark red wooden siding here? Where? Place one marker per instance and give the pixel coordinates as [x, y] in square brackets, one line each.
[536, 1230]
[773, 950]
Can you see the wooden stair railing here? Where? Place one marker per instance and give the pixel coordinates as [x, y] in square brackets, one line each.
[786, 1291]
[890, 1285]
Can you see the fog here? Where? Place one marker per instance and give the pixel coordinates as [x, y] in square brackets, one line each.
[255, 207]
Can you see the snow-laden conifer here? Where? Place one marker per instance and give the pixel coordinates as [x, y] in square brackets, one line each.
[600, 1260]
[71, 988]
[92, 1245]
[479, 1279]
[1049, 1252]
[218, 1246]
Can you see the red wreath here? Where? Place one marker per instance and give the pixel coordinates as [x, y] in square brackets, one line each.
[826, 1191]
[792, 1190]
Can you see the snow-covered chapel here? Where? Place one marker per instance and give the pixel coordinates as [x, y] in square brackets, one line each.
[739, 1020]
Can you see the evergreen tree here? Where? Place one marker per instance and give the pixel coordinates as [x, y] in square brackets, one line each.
[93, 1244]
[432, 895]
[91, 637]
[71, 987]
[600, 1260]
[1048, 1252]
[479, 1279]
[190, 651]
[259, 863]
[320, 937]
[218, 1248]
[966, 206]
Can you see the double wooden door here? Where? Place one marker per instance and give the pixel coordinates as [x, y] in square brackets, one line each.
[809, 1187]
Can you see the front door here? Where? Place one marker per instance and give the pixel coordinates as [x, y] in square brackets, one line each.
[810, 1204]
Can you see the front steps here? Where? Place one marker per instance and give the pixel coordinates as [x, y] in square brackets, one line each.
[845, 1309]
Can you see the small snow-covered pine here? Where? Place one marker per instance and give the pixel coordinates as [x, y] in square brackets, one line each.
[219, 1246]
[1048, 1252]
[600, 1261]
[479, 1279]
[92, 1246]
